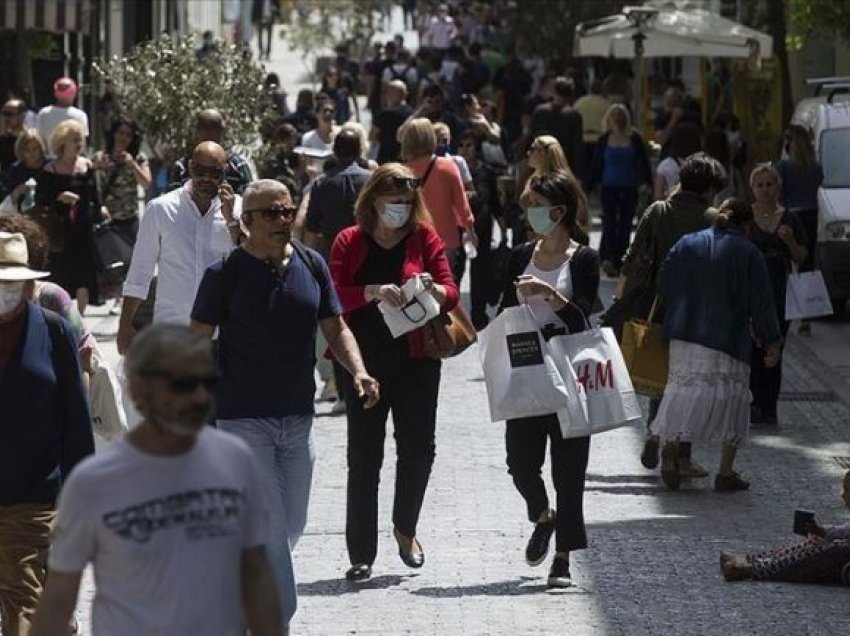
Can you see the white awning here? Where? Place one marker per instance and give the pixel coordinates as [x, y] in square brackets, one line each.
[57, 16]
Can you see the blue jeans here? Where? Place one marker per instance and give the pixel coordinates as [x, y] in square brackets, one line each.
[285, 450]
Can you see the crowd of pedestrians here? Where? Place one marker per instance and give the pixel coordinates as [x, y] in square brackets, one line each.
[477, 152]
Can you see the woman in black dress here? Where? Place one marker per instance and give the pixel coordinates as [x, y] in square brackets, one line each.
[69, 188]
[29, 152]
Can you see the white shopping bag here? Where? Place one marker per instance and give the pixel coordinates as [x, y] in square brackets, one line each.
[521, 376]
[593, 360]
[7, 205]
[806, 296]
[419, 308]
[109, 420]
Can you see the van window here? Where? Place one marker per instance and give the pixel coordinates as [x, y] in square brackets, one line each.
[834, 148]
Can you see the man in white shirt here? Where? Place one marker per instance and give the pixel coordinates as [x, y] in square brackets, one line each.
[172, 516]
[65, 90]
[441, 31]
[181, 234]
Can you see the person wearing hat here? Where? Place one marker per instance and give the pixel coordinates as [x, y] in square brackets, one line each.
[65, 91]
[41, 390]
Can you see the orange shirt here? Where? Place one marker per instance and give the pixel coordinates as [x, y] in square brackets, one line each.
[445, 198]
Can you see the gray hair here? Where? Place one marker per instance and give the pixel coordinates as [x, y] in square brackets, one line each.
[161, 340]
[262, 186]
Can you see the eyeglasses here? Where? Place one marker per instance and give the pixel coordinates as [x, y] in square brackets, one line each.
[406, 183]
[185, 384]
[213, 172]
[273, 214]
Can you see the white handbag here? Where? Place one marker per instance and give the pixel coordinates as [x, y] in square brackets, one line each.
[109, 420]
[521, 376]
[806, 296]
[421, 306]
[606, 398]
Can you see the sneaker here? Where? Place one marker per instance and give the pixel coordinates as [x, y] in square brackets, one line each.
[649, 456]
[730, 483]
[538, 544]
[559, 573]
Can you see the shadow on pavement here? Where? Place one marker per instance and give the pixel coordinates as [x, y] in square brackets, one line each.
[516, 587]
[335, 587]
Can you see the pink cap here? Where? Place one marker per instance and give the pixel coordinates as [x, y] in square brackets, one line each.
[65, 88]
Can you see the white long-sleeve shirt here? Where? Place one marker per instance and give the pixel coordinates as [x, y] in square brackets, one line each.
[180, 242]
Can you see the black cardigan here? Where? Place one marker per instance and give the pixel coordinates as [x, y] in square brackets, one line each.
[597, 164]
[584, 272]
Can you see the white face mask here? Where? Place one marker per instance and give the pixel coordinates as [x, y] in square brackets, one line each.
[11, 294]
[395, 215]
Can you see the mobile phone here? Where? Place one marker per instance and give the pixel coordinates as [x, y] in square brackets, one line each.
[801, 519]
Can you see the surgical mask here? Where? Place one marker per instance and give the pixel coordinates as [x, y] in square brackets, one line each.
[395, 215]
[10, 296]
[538, 218]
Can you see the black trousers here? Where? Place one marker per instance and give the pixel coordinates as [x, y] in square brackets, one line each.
[408, 389]
[481, 272]
[765, 383]
[525, 440]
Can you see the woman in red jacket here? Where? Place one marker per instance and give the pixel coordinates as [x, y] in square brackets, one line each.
[393, 241]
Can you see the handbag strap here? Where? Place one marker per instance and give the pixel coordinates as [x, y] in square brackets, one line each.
[427, 172]
[656, 303]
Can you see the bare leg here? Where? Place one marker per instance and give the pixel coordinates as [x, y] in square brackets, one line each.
[82, 299]
[727, 458]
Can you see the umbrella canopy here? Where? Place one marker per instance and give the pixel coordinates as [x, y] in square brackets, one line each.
[669, 30]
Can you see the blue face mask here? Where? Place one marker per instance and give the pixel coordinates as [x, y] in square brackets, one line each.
[441, 151]
[540, 221]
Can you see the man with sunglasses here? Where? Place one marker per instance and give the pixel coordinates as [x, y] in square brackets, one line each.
[268, 299]
[13, 114]
[181, 234]
[174, 508]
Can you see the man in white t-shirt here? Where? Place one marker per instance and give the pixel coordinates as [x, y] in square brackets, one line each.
[172, 516]
[65, 90]
[441, 30]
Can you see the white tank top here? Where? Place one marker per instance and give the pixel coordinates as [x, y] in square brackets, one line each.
[560, 279]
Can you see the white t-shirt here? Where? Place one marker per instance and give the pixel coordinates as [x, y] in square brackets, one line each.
[51, 116]
[560, 279]
[669, 169]
[165, 535]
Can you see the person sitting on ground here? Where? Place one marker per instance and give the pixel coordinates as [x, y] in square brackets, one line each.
[824, 557]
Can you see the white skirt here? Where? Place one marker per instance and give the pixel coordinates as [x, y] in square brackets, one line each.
[707, 397]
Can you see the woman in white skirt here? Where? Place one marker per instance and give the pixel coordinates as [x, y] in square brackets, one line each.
[717, 297]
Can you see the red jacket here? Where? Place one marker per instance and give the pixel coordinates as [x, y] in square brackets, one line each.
[425, 252]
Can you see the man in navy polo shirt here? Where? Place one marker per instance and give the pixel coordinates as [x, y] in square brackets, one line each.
[269, 298]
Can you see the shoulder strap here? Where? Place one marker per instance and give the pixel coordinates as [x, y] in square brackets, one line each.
[307, 257]
[428, 171]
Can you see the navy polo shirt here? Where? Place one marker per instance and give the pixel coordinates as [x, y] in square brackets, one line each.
[267, 349]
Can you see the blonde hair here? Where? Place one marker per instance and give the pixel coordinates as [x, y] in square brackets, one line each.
[417, 139]
[357, 128]
[554, 158]
[765, 168]
[26, 138]
[620, 115]
[380, 184]
[442, 128]
[63, 133]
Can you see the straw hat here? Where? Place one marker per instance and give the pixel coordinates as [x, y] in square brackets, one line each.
[14, 259]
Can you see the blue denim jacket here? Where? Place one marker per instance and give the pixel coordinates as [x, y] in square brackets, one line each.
[713, 283]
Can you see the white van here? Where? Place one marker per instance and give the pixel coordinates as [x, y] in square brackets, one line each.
[828, 118]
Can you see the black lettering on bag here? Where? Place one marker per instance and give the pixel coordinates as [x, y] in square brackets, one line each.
[524, 349]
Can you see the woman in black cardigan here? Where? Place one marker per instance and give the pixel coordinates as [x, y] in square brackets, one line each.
[559, 280]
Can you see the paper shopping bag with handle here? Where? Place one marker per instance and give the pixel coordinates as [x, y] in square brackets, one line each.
[646, 355]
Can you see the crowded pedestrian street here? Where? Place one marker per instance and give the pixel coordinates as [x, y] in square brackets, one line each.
[423, 317]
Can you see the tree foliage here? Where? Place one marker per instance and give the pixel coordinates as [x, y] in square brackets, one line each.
[162, 85]
[825, 16]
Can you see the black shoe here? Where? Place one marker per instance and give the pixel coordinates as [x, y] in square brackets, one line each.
[359, 572]
[410, 559]
[730, 483]
[649, 456]
[538, 544]
[559, 573]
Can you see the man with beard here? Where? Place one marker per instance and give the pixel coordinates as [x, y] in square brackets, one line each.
[173, 507]
[181, 234]
[268, 300]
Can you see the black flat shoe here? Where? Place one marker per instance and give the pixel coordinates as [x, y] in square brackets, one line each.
[359, 572]
[538, 544]
[410, 559]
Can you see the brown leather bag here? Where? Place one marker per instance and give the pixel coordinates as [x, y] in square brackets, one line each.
[448, 334]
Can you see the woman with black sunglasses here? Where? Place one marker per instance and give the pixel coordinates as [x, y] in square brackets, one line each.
[393, 241]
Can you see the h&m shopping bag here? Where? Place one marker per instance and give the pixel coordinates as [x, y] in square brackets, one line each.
[521, 376]
[606, 397]
[806, 296]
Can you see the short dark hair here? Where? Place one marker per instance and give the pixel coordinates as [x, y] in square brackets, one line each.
[135, 144]
[433, 90]
[734, 213]
[700, 173]
[347, 145]
[564, 87]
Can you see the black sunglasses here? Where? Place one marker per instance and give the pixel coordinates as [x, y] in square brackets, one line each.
[406, 183]
[185, 383]
[273, 214]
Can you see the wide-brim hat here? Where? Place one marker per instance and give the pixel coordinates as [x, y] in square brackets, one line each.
[14, 259]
